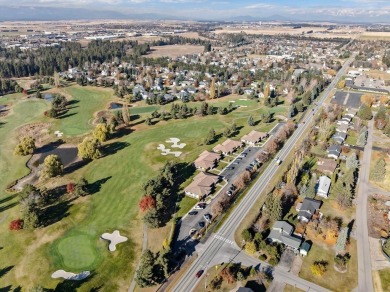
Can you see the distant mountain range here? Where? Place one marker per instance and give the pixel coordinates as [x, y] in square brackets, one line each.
[30, 13]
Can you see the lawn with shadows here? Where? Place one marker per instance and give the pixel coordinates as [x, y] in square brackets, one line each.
[86, 102]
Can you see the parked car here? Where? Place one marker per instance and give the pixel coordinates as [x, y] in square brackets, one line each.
[230, 167]
[201, 224]
[229, 193]
[236, 162]
[207, 217]
[192, 232]
[199, 273]
[192, 212]
[200, 206]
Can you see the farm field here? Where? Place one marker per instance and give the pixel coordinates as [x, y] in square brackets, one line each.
[174, 51]
[72, 243]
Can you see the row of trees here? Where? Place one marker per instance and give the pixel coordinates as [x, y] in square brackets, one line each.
[159, 198]
[9, 86]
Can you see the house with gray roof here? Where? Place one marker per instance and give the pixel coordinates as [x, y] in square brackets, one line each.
[334, 151]
[307, 209]
[323, 186]
[339, 137]
[282, 232]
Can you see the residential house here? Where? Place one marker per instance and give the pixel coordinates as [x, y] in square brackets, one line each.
[334, 151]
[344, 120]
[254, 137]
[202, 185]
[339, 137]
[323, 186]
[326, 166]
[282, 232]
[207, 160]
[227, 147]
[343, 128]
[307, 209]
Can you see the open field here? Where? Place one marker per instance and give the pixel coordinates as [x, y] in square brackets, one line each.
[72, 242]
[174, 51]
[331, 279]
[384, 276]
[371, 35]
[320, 32]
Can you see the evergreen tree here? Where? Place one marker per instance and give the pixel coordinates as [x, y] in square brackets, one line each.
[251, 121]
[379, 171]
[145, 277]
[210, 137]
[364, 112]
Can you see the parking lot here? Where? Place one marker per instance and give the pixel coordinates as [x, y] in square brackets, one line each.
[239, 162]
[347, 99]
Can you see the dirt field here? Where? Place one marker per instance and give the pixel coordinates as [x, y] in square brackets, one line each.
[368, 35]
[275, 30]
[174, 51]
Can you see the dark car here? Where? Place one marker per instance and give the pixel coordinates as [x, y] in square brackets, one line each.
[201, 224]
[199, 273]
[193, 213]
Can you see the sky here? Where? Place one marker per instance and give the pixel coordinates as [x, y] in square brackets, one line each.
[222, 9]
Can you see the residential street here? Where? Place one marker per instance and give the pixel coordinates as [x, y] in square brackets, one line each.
[363, 245]
[188, 281]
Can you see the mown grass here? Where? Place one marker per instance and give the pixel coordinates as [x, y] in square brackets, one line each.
[73, 243]
[331, 279]
[87, 100]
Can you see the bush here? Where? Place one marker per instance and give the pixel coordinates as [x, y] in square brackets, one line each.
[318, 268]
[16, 224]
[263, 257]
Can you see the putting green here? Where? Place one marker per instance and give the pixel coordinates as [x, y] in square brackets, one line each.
[78, 252]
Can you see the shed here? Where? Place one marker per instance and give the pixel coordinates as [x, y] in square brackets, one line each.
[304, 249]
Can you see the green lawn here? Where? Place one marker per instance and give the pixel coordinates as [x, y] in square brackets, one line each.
[331, 279]
[385, 279]
[88, 100]
[351, 137]
[73, 243]
[144, 109]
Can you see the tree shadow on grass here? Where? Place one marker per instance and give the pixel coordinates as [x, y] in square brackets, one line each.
[63, 116]
[75, 166]
[121, 132]
[95, 187]
[55, 213]
[9, 198]
[5, 270]
[73, 101]
[6, 288]
[114, 148]
[2, 124]
[9, 206]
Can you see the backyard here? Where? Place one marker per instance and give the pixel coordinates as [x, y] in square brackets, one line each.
[331, 279]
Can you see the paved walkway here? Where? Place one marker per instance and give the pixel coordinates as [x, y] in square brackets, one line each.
[144, 245]
[365, 282]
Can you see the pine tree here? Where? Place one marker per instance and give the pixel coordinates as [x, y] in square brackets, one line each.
[378, 173]
[212, 89]
[210, 137]
[251, 121]
[145, 277]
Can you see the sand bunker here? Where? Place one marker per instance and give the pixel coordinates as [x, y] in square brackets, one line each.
[165, 151]
[114, 238]
[70, 276]
[175, 143]
[58, 134]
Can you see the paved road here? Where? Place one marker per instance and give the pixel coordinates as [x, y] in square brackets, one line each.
[188, 281]
[364, 257]
[188, 222]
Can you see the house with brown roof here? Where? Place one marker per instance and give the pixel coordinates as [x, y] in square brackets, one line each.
[227, 147]
[254, 137]
[207, 160]
[202, 185]
[326, 166]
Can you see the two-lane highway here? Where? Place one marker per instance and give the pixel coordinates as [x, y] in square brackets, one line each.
[189, 281]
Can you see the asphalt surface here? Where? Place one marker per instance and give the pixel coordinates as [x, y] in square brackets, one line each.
[230, 173]
[188, 281]
[363, 245]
